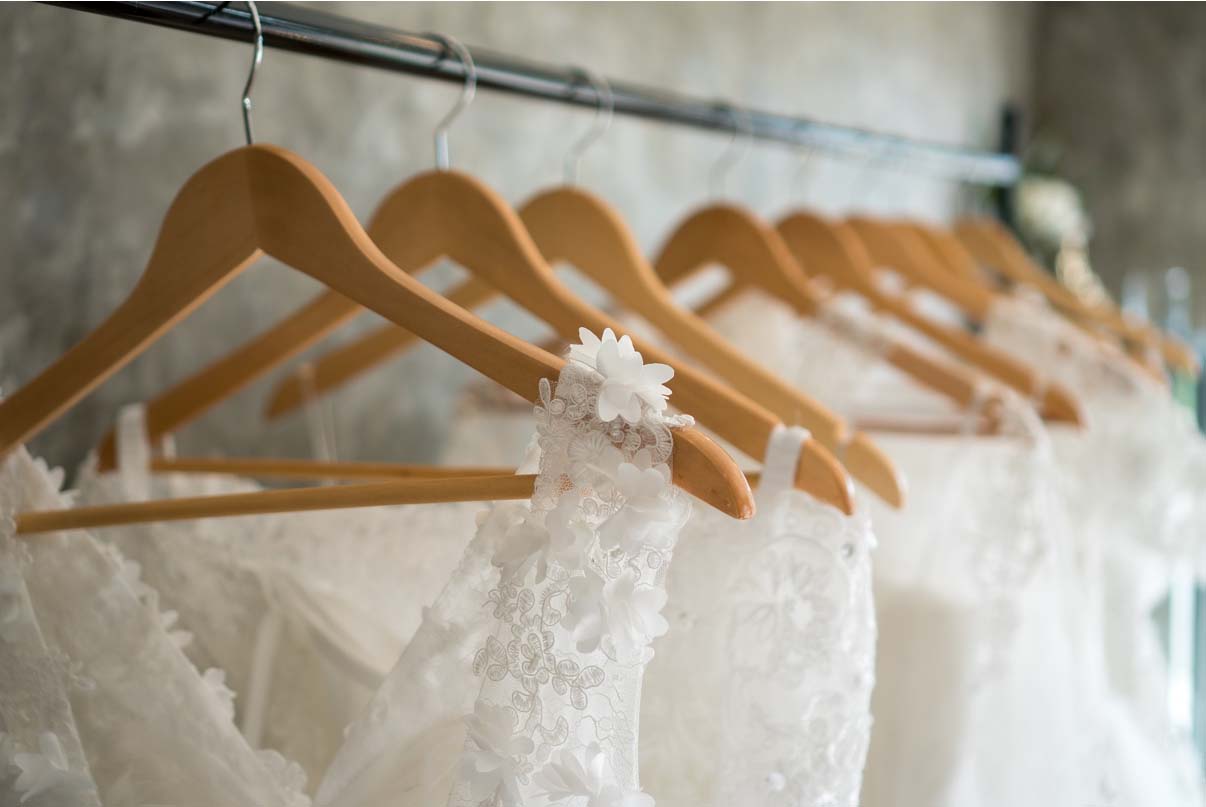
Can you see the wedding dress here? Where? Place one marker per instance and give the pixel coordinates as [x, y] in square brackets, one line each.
[542, 634]
[521, 681]
[1130, 481]
[303, 613]
[98, 705]
[759, 693]
[979, 698]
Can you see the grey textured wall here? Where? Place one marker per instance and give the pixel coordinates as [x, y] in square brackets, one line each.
[1122, 102]
[102, 120]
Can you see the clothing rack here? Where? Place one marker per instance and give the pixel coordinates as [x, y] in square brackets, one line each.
[303, 30]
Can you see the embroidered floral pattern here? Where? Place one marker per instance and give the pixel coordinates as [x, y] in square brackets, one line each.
[580, 592]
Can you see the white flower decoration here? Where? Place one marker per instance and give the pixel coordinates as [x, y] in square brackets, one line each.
[563, 540]
[588, 774]
[593, 458]
[587, 352]
[627, 380]
[617, 609]
[493, 766]
[647, 507]
[46, 771]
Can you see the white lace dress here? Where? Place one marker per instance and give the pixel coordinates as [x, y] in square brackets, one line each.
[772, 618]
[1130, 482]
[979, 698]
[759, 693]
[98, 705]
[520, 684]
[304, 614]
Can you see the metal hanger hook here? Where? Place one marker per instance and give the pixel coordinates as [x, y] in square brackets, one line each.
[452, 45]
[255, 62]
[739, 145]
[804, 155]
[605, 107]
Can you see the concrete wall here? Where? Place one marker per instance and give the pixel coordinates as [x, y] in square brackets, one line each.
[1120, 100]
[101, 121]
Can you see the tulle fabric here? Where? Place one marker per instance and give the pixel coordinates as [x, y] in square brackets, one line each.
[304, 613]
[103, 707]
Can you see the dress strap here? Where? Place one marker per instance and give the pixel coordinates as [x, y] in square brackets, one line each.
[134, 452]
[782, 457]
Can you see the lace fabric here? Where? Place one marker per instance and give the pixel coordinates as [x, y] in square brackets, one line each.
[303, 614]
[106, 709]
[523, 681]
[1129, 484]
[759, 693]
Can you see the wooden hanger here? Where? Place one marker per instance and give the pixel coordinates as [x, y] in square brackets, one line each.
[904, 252]
[791, 285]
[835, 250]
[946, 249]
[479, 232]
[570, 225]
[728, 236]
[405, 484]
[575, 227]
[949, 251]
[996, 248]
[447, 214]
[265, 200]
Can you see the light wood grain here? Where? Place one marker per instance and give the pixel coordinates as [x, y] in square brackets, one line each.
[1054, 401]
[754, 254]
[995, 247]
[263, 199]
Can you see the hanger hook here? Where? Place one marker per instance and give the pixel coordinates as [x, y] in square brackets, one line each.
[453, 45]
[804, 154]
[739, 144]
[255, 62]
[605, 107]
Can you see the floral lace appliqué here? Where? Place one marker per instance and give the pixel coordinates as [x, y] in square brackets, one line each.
[580, 593]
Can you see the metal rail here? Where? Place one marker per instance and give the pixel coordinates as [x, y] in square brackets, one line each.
[304, 30]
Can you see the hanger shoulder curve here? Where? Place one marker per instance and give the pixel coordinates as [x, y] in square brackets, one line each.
[906, 254]
[336, 368]
[263, 198]
[818, 244]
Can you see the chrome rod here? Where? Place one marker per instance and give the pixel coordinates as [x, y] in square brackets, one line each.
[303, 30]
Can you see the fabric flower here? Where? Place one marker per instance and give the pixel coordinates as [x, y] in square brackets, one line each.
[628, 381]
[571, 776]
[588, 351]
[46, 771]
[593, 458]
[563, 539]
[523, 546]
[493, 766]
[618, 609]
[646, 510]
